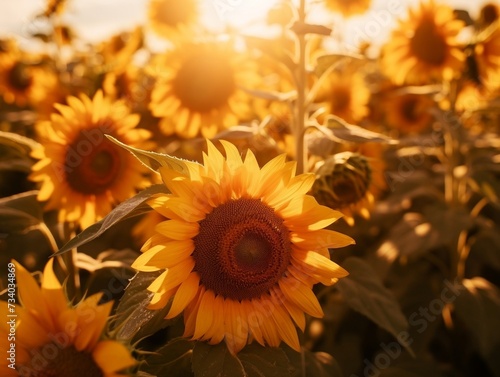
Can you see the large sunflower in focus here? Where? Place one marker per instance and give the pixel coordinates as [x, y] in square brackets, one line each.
[198, 88]
[169, 18]
[82, 173]
[53, 338]
[424, 48]
[241, 250]
[348, 8]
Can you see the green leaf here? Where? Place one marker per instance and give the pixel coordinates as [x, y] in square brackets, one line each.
[19, 212]
[173, 359]
[15, 152]
[326, 63]
[252, 361]
[275, 50]
[155, 160]
[216, 361]
[338, 129]
[264, 361]
[364, 292]
[129, 208]
[134, 320]
[314, 364]
[478, 306]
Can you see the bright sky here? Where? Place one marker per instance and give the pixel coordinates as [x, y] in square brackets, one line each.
[94, 20]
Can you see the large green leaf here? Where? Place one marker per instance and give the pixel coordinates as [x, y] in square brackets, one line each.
[253, 361]
[312, 364]
[155, 160]
[129, 208]
[19, 212]
[478, 306]
[134, 320]
[364, 292]
[173, 359]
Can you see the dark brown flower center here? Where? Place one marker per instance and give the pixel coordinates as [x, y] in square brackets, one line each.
[242, 249]
[204, 82]
[410, 109]
[52, 360]
[428, 45]
[93, 163]
[340, 99]
[19, 77]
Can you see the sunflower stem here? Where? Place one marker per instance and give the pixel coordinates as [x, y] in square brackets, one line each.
[300, 106]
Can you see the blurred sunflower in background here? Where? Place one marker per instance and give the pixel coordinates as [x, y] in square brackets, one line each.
[22, 82]
[55, 338]
[170, 18]
[409, 113]
[199, 89]
[344, 94]
[487, 56]
[241, 250]
[424, 47]
[83, 174]
[348, 8]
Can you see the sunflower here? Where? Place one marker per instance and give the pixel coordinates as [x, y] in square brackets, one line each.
[21, 81]
[348, 8]
[487, 57]
[409, 113]
[241, 250]
[424, 47]
[345, 95]
[83, 173]
[344, 181]
[54, 338]
[198, 88]
[171, 18]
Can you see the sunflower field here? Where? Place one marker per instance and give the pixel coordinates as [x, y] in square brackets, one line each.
[283, 198]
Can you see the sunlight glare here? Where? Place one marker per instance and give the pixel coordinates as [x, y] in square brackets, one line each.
[247, 17]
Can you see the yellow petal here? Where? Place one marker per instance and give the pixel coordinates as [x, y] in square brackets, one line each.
[322, 238]
[301, 295]
[235, 326]
[318, 264]
[184, 295]
[112, 356]
[31, 298]
[285, 327]
[313, 216]
[178, 229]
[92, 319]
[205, 314]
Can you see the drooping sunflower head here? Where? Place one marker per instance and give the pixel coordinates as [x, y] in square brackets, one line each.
[198, 89]
[486, 56]
[241, 249]
[346, 95]
[424, 48]
[488, 14]
[342, 183]
[171, 18]
[409, 113]
[55, 338]
[348, 8]
[83, 173]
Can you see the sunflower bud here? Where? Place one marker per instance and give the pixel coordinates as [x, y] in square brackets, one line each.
[342, 180]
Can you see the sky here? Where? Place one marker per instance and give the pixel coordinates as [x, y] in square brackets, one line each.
[94, 20]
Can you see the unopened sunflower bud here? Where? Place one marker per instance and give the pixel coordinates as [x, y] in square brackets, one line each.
[342, 180]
